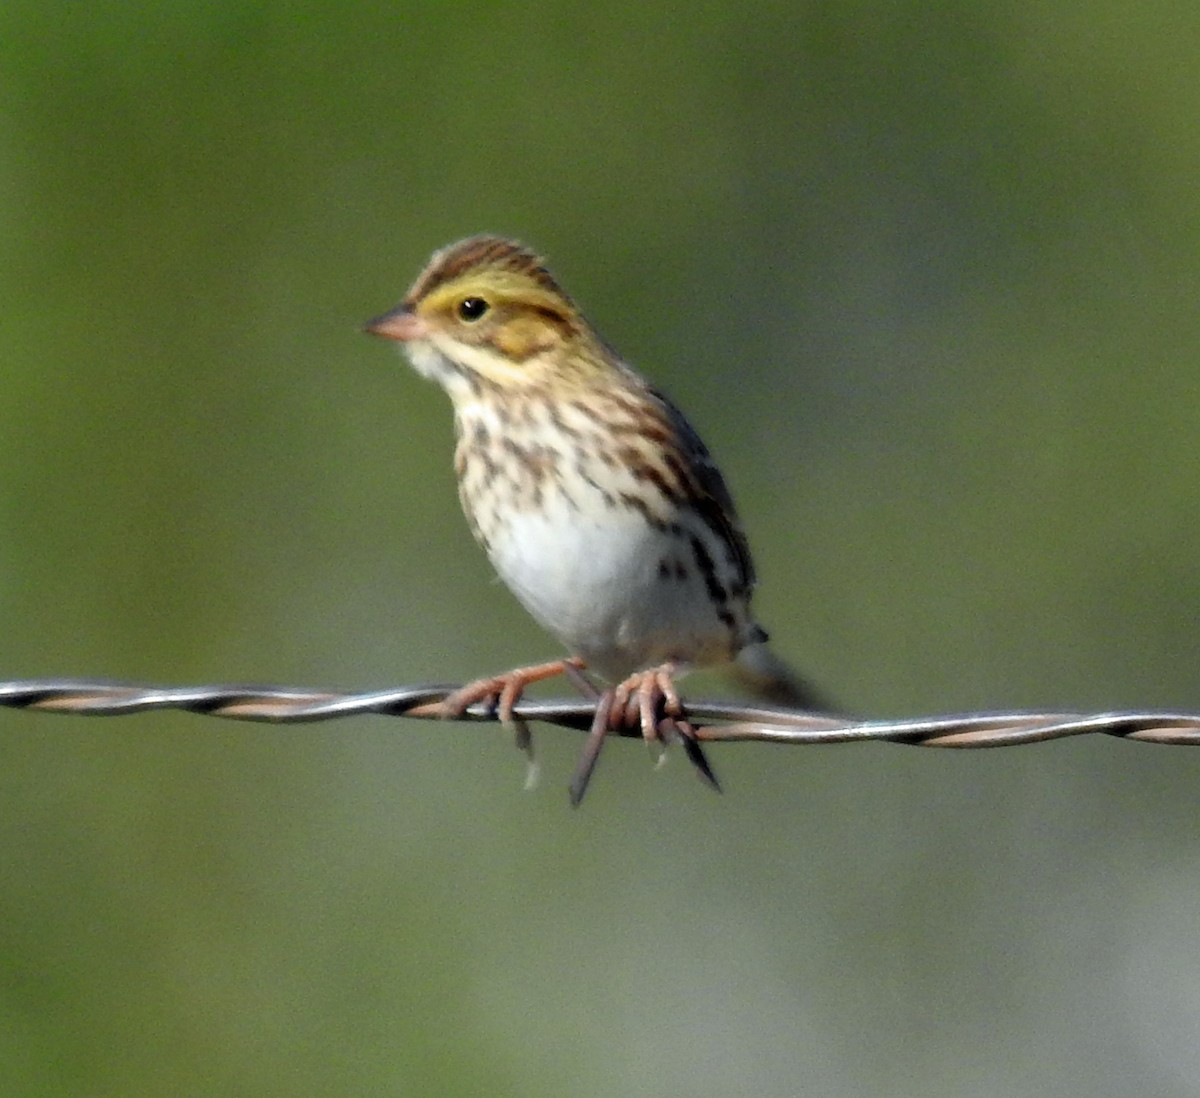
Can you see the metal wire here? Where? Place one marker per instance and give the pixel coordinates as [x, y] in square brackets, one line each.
[729, 722]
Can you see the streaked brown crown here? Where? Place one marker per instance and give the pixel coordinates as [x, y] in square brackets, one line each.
[478, 254]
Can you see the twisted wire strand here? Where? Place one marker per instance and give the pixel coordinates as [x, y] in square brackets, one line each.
[729, 722]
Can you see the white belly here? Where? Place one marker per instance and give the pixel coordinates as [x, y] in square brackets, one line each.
[594, 577]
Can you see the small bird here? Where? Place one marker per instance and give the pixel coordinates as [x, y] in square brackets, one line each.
[592, 495]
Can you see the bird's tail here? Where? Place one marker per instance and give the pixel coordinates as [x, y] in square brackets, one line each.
[763, 673]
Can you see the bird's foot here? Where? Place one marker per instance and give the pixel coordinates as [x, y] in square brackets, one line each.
[640, 699]
[647, 700]
[499, 694]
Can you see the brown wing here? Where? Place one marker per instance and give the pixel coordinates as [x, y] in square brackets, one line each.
[712, 500]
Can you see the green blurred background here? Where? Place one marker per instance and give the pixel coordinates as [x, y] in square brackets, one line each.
[925, 277]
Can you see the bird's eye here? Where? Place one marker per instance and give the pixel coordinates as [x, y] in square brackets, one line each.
[472, 308]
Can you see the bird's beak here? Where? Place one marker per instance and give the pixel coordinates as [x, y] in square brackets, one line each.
[401, 324]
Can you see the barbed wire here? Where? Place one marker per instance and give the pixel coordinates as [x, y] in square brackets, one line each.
[730, 722]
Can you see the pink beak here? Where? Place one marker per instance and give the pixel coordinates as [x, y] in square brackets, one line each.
[401, 324]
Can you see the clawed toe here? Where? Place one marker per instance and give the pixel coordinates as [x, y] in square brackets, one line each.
[483, 690]
[641, 698]
[500, 693]
[648, 701]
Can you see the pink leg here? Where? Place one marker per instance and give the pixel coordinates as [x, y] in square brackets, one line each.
[641, 696]
[499, 691]
[646, 695]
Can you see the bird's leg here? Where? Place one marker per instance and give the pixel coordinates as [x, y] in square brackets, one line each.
[644, 698]
[641, 697]
[499, 692]
[647, 700]
[636, 702]
[601, 723]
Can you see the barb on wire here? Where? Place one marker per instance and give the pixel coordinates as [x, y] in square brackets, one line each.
[714, 721]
